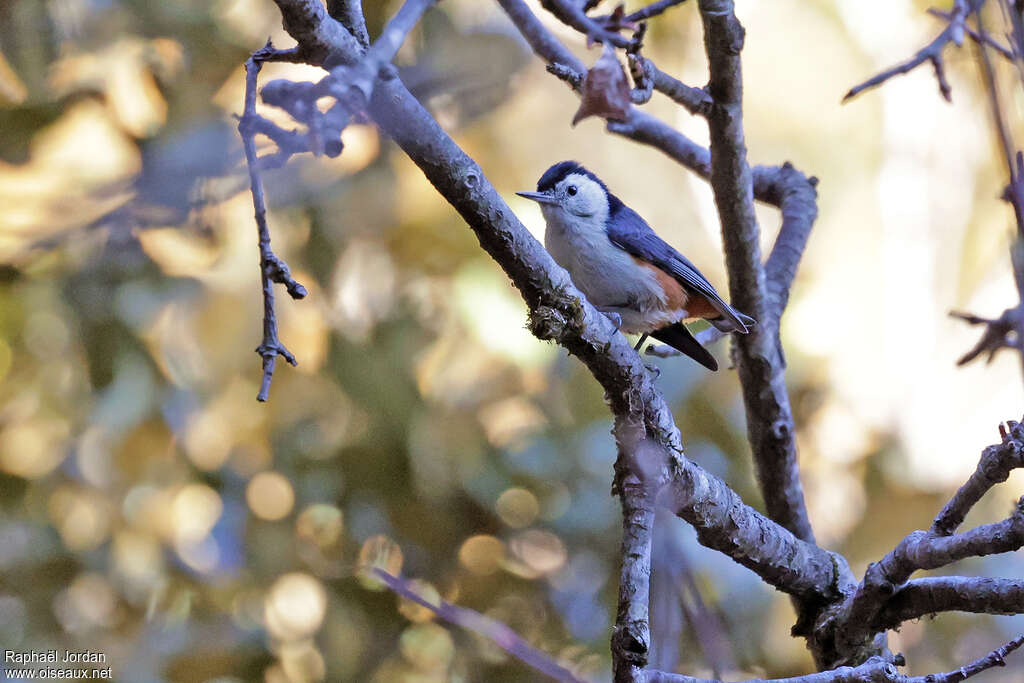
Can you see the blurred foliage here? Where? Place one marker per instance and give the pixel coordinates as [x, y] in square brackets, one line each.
[152, 510]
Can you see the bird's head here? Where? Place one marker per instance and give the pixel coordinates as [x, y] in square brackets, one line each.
[569, 187]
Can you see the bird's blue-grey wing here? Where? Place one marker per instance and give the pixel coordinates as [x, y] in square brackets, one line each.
[630, 232]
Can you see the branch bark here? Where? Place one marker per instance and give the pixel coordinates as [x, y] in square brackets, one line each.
[931, 595]
[770, 424]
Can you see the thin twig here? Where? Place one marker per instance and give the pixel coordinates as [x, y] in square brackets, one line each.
[975, 36]
[1014, 192]
[652, 10]
[994, 467]
[571, 14]
[272, 268]
[932, 53]
[495, 631]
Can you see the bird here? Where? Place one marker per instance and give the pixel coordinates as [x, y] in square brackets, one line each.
[623, 267]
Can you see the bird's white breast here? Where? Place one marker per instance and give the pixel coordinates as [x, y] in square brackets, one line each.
[605, 273]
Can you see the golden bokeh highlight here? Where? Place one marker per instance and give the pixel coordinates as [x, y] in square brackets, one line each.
[270, 496]
[510, 422]
[482, 554]
[194, 511]
[539, 550]
[89, 602]
[33, 448]
[517, 508]
[295, 606]
[81, 516]
[137, 558]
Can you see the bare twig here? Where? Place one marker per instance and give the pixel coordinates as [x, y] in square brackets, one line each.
[272, 268]
[695, 100]
[1016, 190]
[652, 10]
[495, 631]
[994, 467]
[352, 87]
[975, 36]
[999, 333]
[932, 53]
[571, 13]
[1014, 193]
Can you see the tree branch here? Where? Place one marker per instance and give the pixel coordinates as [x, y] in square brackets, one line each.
[652, 10]
[994, 467]
[350, 14]
[975, 594]
[631, 637]
[931, 550]
[932, 53]
[571, 14]
[769, 417]
[272, 269]
[975, 36]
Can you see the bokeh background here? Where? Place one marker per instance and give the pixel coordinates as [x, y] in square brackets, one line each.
[152, 510]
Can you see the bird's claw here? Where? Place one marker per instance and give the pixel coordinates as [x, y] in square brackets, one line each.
[615, 318]
[654, 370]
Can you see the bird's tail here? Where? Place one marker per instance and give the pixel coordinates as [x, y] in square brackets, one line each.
[678, 337]
[729, 323]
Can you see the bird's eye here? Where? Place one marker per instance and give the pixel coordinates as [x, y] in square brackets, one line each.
[571, 190]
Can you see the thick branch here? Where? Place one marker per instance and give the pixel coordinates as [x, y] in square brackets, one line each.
[350, 14]
[631, 637]
[324, 41]
[974, 594]
[769, 417]
[875, 670]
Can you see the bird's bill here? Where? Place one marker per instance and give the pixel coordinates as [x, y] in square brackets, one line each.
[539, 197]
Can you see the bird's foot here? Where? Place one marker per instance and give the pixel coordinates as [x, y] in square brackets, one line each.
[654, 370]
[615, 318]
